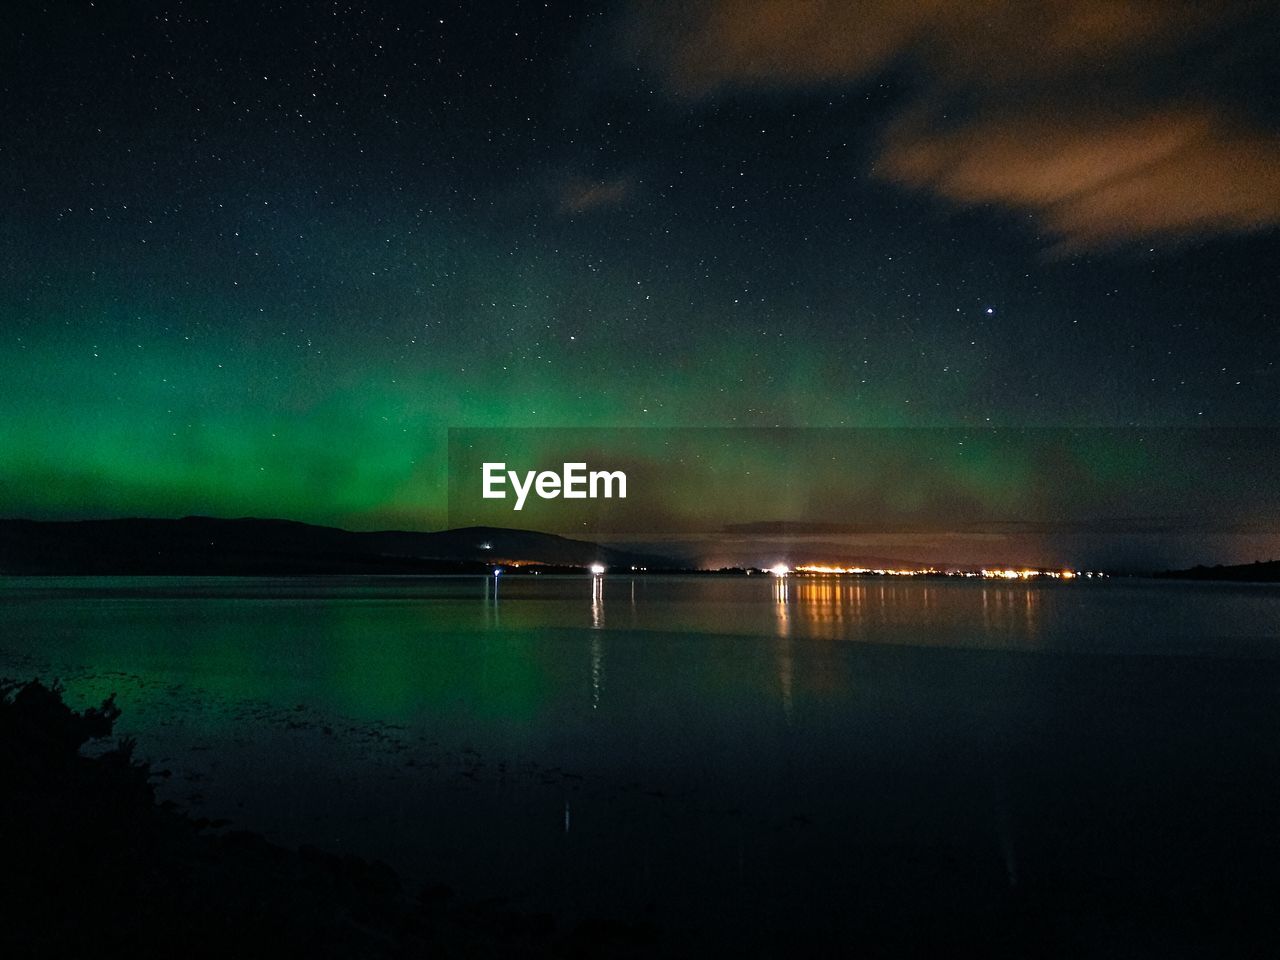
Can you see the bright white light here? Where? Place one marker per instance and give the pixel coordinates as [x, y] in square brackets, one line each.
[780, 570]
[497, 572]
[597, 569]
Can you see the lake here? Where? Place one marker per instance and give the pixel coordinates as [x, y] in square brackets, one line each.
[1089, 767]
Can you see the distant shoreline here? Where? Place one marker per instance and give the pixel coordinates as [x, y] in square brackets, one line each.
[253, 547]
[1260, 571]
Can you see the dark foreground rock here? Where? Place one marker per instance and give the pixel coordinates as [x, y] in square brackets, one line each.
[92, 866]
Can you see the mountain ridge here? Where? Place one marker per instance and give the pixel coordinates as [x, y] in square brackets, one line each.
[197, 545]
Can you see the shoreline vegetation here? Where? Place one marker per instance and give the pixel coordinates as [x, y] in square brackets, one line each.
[92, 865]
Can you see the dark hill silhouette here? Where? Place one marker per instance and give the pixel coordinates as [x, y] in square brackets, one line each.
[250, 546]
[1261, 571]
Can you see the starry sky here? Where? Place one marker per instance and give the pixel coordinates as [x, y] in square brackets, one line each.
[258, 259]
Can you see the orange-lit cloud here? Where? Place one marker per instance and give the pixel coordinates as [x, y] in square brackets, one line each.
[1097, 180]
[1044, 106]
[703, 46]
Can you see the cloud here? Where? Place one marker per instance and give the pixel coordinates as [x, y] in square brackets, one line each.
[1088, 114]
[703, 46]
[706, 45]
[1097, 180]
[583, 196]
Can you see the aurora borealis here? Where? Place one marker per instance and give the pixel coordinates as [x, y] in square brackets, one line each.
[259, 261]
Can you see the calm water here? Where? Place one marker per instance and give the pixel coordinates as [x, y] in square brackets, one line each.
[735, 759]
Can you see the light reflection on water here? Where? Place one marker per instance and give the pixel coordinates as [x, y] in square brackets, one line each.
[943, 612]
[709, 740]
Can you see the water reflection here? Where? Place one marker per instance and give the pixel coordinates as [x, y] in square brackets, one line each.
[419, 712]
[781, 596]
[1008, 608]
[597, 646]
[838, 607]
[597, 602]
[782, 647]
[597, 670]
[492, 617]
[833, 607]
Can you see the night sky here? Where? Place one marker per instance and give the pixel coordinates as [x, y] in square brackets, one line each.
[257, 259]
